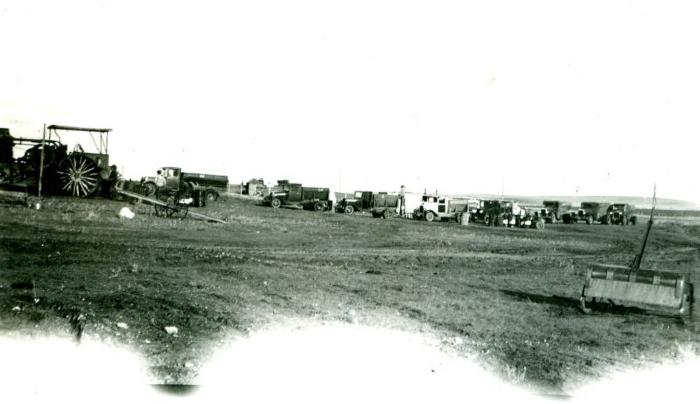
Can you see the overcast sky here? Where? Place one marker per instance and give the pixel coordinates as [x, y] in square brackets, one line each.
[528, 97]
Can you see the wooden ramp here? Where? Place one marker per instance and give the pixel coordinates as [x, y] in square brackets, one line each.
[163, 204]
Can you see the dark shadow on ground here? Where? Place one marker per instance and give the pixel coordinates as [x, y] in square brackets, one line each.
[176, 389]
[563, 301]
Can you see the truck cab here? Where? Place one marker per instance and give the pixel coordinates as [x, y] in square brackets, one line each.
[552, 211]
[440, 207]
[361, 200]
[172, 180]
[172, 176]
[589, 212]
[621, 213]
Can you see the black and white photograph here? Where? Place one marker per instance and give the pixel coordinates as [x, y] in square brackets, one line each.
[349, 201]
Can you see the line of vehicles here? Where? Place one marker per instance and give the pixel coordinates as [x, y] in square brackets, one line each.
[429, 207]
[60, 169]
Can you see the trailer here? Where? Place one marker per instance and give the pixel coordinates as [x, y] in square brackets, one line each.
[175, 207]
[286, 193]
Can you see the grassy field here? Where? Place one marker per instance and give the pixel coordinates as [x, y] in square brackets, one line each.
[507, 297]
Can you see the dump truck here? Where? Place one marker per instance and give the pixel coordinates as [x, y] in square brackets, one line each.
[440, 207]
[379, 204]
[552, 211]
[286, 193]
[621, 213]
[210, 184]
[589, 212]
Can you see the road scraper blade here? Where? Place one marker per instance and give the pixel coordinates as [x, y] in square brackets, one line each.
[637, 286]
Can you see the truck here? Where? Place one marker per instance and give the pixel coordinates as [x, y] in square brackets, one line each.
[489, 212]
[254, 187]
[552, 211]
[440, 207]
[286, 193]
[589, 212]
[210, 185]
[360, 201]
[379, 204]
[621, 213]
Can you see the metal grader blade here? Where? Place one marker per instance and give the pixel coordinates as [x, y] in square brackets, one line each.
[638, 286]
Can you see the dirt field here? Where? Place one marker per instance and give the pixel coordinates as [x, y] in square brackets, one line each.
[507, 297]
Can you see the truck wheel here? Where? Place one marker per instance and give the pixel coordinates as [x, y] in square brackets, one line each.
[318, 206]
[386, 214]
[429, 216]
[539, 225]
[275, 203]
[211, 196]
[349, 209]
[589, 219]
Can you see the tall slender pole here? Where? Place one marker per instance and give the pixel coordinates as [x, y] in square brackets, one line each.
[638, 259]
[41, 161]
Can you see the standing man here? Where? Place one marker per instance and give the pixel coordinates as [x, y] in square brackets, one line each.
[110, 183]
[160, 182]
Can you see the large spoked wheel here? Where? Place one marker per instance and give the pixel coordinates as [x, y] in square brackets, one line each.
[275, 203]
[79, 176]
[349, 209]
[429, 216]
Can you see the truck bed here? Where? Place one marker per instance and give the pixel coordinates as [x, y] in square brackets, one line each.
[206, 179]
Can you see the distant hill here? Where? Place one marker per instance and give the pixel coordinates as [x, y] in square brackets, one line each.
[637, 201]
